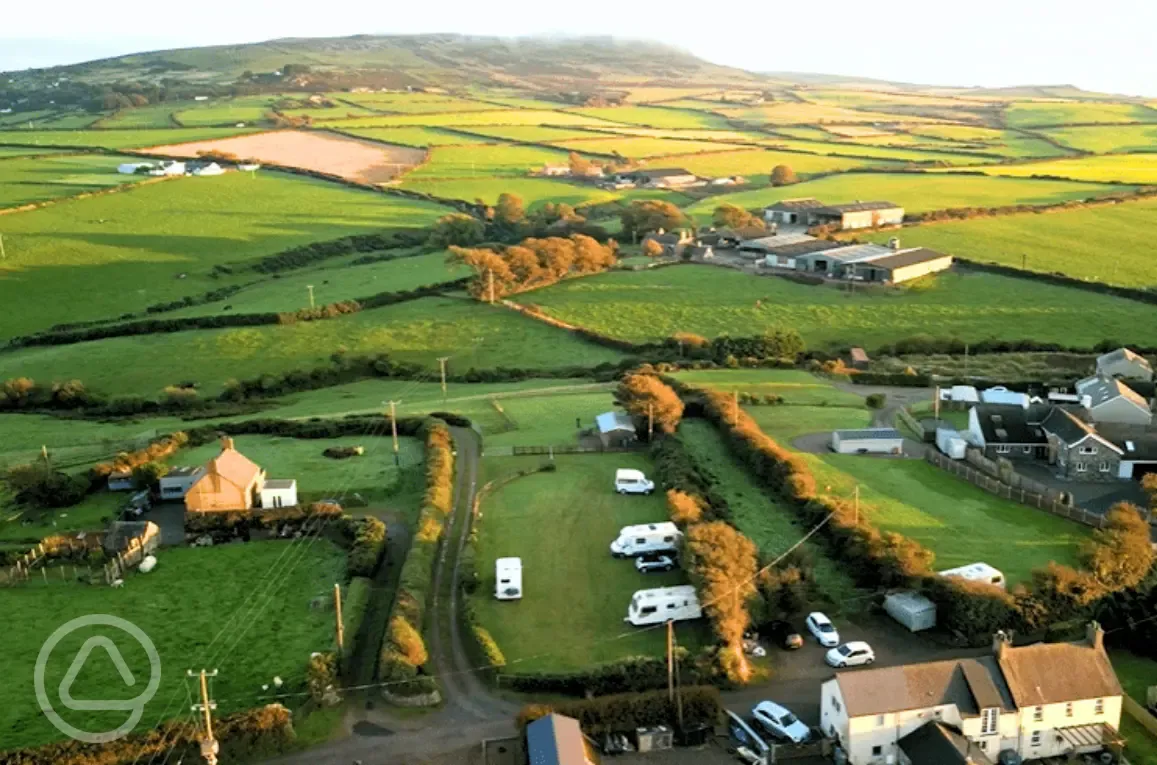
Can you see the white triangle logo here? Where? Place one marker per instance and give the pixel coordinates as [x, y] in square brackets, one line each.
[78, 663]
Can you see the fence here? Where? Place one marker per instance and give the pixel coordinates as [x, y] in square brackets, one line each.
[135, 551]
[49, 549]
[1020, 494]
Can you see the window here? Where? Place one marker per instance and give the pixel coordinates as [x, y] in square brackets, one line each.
[1080, 467]
[647, 611]
[1099, 707]
[877, 751]
[988, 721]
[1088, 450]
[879, 721]
[1038, 714]
[1036, 737]
[1027, 450]
[1069, 709]
[984, 746]
[1103, 467]
[640, 541]
[1003, 449]
[836, 703]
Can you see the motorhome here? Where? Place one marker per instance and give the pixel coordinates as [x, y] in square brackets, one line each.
[663, 604]
[629, 481]
[508, 578]
[978, 572]
[645, 538]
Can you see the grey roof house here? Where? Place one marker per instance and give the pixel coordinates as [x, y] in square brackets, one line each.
[1124, 364]
[1007, 430]
[1077, 450]
[1110, 400]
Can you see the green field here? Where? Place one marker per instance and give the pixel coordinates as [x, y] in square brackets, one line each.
[533, 133]
[1107, 244]
[412, 103]
[147, 237]
[490, 161]
[22, 151]
[756, 164]
[248, 109]
[549, 419]
[34, 180]
[851, 149]
[796, 387]
[788, 422]
[1040, 113]
[534, 191]
[711, 301]
[914, 192]
[69, 442]
[94, 513]
[561, 524]
[489, 117]
[640, 147]
[473, 334]
[1114, 168]
[420, 137]
[181, 606]
[1102, 140]
[1136, 674]
[657, 117]
[116, 139]
[153, 116]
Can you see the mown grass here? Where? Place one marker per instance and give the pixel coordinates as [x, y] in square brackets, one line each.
[1039, 113]
[1136, 673]
[24, 527]
[549, 419]
[126, 251]
[190, 588]
[472, 334]
[657, 117]
[711, 301]
[1107, 244]
[563, 544]
[787, 422]
[914, 192]
[489, 161]
[1101, 140]
[1108, 168]
[116, 139]
[491, 116]
[37, 179]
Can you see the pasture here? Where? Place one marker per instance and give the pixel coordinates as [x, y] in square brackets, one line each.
[411, 103]
[914, 192]
[1109, 168]
[228, 111]
[38, 179]
[561, 524]
[794, 386]
[1104, 139]
[534, 191]
[1045, 113]
[489, 116]
[710, 301]
[472, 334]
[657, 117]
[9, 152]
[190, 588]
[115, 139]
[486, 160]
[1108, 244]
[853, 149]
[149, 236]
[756, 164]
[639, 147]
[151, 116]
[532, 133]
[793, 113]
[421, 137]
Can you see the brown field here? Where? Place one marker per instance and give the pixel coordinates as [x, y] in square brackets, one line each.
[354, 159]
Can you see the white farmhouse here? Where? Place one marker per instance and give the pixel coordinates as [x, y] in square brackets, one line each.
[210, 169]
[1042, 700]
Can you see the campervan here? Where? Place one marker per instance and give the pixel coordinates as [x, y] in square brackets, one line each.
[629, 481]
[663, 604]
[978, 572]
[645, 538]
[508, 578]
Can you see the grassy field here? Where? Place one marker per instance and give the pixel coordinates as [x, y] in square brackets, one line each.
[657, 117]
[789, 422]
[712, 301]
[488, 117]
[23, 151]
[420, 137]
[534, 191]
[1101, 140]
[756, 164]
[248, 109]
[884, 153]
[796, 387]
[153, 116]
[1116, 168]
[489, 161]
[1117, 253]
[641, 147]
[69, 442]
[473, 334]
[35, 180]
[1039, 113]
[532, 133]
[792, 113]
[92, 514]
[116, 139]
[147, 237]
[412, 103]
[191, 588]
[913, 192]
[549, 419]
[563, 545]
[1136, 673]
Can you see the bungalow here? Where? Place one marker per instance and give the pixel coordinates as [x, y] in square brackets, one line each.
[1110, 400]
[1077, 450]
[231, 482]
[1042, 700]
[615, 429]
[1007, 430]
[1124, 364]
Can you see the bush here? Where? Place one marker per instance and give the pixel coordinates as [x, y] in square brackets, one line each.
[368, 548]
[343, 452]
[684, 509]
[42, 486]
[625, 712]
[875, 400]
[632, 674]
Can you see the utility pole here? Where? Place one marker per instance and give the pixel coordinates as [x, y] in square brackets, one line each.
[678, 682]
[44, 453]
[1024, 261]
[209, 745]
[310, 288]
[490, 280]
[3, 255]
[442, 363]
[936, 403]
[650, 422]
[966, 360]
[671, 659]
[337, 617]
[734, 408]
[394, 428]
[856, 517]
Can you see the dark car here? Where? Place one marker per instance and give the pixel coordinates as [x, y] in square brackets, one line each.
[783, 634]
[655, 561]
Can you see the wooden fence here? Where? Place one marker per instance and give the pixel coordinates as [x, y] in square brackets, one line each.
[47, 550]
[135, 551]
[1019, 494]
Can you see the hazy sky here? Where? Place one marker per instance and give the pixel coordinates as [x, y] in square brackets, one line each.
[1106, 45]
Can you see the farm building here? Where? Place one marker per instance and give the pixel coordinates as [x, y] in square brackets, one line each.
[1002, 395]
[179, 480]
[911, 609]
[1008, 430]
[121, 480]
[121, 536]
[1110, 400]
[858, 358]
[868, 440]
[230, 482]
[555, 170]
[902, 266]
[1124, 364]
[615, 429]
[792, 211]
[207, 170]
[852, 215]
[782, 254]
[660, 178]
[279, 492]
[558, 740]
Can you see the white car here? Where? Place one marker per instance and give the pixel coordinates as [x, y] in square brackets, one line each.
[822, 628]
[779, 722]
[853, 654]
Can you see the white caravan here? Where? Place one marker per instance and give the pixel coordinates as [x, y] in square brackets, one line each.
[645, 538]
[508, 578]
[663, 604]
[977, 572]
[629, 481]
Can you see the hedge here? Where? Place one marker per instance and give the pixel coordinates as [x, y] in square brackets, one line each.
[309, 254]
[630, 674]
[353, 611]
[625, 712]
[368, 545]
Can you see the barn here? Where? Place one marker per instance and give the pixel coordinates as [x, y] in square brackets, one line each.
[868, 441]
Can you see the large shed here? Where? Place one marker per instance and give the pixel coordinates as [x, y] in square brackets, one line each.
[868, 441]
[911, 609]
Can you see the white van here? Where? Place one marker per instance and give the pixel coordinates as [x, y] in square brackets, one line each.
[508, 578]
[645, 538]
[629, 481]
[663, 604]
[978, 572]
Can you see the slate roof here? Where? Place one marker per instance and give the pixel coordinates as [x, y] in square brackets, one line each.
[1050, 673]
[860, 207]
[610, 421]
[796, 205]
[557, 740]
[935, 743]
[919, 686]
[1105, 389]
[1008, 424]
[908, 258]
[1122, 354]
[184, 471]
[804, 247]
[280, 483]
[1066, 426]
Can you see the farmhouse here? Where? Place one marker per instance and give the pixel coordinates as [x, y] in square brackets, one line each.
[1110, 400]
[615, 429]
[1077, 450]
[672, 242]
[231, 482]
[852, 215]
[1008, 430]
[1042, 700]
[1124, 364]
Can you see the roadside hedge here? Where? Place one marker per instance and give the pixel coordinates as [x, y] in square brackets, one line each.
[367, 545]
[353, 611]
[627, 711]
[628, 675]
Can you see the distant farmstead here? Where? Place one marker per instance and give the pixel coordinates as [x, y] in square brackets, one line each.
[851, 215]
[660, 178]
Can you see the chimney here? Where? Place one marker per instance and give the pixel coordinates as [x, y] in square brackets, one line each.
[1000, 643]
[894, 243]
[1094, 635]
[226, 443]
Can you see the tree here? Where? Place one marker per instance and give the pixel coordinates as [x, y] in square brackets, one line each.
[783, 175]
[646, 396]
[723, 565]
[652, 249]
[649, 215]
[1149, 486]
[579, 166]
[38, 484]
[1120, 554]
[150, 474]
[457, 230]
[733, 216]
[510, 210]
[684, 509]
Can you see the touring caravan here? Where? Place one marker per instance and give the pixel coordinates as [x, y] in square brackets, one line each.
[978, 572]
[508, 578]
[663, 604]
[629, 481]
[645, 538]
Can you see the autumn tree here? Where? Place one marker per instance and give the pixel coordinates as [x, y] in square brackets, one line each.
[1120, 554]
[457, 230]
[510, 210]
[652, 249]
[733, 216]
[783, 175]
[149, 474]
[723, 565]
[1149, 486]
[646, 396]
[684, 509]
[579, 165]
[535, 262]
[649, 215]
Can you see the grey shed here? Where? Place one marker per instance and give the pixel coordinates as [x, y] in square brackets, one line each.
[911, 609]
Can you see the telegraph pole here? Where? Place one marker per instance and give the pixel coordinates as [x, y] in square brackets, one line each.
[678, 681]
[734, 408]
[310, 288]
[650, 421]
[3, 255]
[856, 494]
[337, 617]
[936, 403]
[490, 280]
[442, 363]
[209, 746]
[670, 659]
[394, 428]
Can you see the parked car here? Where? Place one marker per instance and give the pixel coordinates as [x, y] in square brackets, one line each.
[779, 722]
[853, 654]
[783, 634]
[655, 561]
[822, 628]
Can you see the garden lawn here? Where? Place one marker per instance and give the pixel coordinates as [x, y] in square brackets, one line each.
[768, 522]
[575, 595]
[1106, 244]
[1101, 140]
[471, 334]
[1136, 674]
[485, 160]
[914, 192]
[657, 117]
[788, 422]
[549, 419]
[1038, 113]
[711, 301]
[1109, 168]
[34, 180]
[123, 252]
[181, 606]
[795, 386]
[116, 139]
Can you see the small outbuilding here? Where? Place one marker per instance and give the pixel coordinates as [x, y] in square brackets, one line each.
[123, 536]
[121, 480]
[911, 609]
[858, 358]
[279, 492]
[558, 740]
[175, 483]
[868, 441]
[616, 429]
